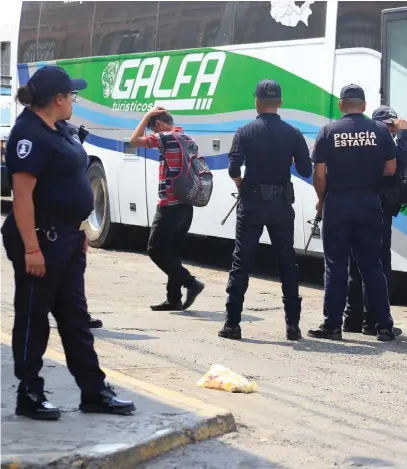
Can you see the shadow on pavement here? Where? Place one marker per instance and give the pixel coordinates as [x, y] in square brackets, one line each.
[216, 316]
[108, 334]
[344, 346]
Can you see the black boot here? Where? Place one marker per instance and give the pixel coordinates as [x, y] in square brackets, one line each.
[105, 402]
[385, 335]
[371, 330]
[230, 331]
[95, 323]
[322, 332]
[293, 333]
[167, 306]
[193, 291]
[34, 405]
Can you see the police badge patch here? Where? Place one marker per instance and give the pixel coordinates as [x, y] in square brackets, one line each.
[76, 138]
[24, 148]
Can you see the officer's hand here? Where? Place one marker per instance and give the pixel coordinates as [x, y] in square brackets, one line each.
[401, 124]
[156, 110]
[85, 245]
[319, 207]
[35, 264]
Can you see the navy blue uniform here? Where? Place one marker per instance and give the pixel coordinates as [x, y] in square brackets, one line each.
[355, 150]
[357, 309]
[267, 147]
[62, 198]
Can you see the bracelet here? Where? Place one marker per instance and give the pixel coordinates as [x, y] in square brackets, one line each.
[32, 252]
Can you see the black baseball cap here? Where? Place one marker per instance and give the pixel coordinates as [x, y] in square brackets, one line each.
[384, 114]
[352, 92]
[268, 89]
[50, 80]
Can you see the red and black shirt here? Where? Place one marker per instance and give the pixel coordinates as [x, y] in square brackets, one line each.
[170, 164]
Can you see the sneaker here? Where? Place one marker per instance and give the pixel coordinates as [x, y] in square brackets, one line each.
[230, 332]
[95, 323]
[371, 330]
[167, 306]
[193, 291]
[35, 406]
[385, 335]
[293, 333]
[105, 402]
[324, 333]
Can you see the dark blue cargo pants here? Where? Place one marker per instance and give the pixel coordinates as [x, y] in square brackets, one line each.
[354, 222]
[278, 217]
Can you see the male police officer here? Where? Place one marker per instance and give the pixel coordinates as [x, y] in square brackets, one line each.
[351, 156]
[356, 316]
[267, 147]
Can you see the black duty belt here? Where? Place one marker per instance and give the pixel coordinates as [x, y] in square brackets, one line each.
[264, 192]
[47, 220]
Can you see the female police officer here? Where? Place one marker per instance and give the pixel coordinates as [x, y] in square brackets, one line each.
[52, 195]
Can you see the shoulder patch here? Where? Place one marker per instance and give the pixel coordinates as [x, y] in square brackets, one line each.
[24, 148]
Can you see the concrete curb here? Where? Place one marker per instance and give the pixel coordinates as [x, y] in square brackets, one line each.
[214, 421]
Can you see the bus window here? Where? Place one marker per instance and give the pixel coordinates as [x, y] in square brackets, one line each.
[395, 60]
[358, 24]
[278, 21]
[124, 27]
[187, 25]
[65, 30]
[27, 41]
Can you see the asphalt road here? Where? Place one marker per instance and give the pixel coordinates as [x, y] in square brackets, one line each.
[319, 405]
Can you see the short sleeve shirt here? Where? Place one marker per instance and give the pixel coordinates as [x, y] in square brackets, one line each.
[57, 160]
[170, 164]
[354, 150]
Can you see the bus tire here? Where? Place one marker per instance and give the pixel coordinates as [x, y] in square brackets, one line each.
[101, 232]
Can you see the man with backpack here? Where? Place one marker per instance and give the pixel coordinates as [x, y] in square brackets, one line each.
[175, 205]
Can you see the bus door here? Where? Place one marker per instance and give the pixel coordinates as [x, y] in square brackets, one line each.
[394, 60]
[132, 185]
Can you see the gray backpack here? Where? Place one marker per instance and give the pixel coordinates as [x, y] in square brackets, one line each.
[194, 183]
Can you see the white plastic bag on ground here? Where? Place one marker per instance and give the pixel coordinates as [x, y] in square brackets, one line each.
[220, 377]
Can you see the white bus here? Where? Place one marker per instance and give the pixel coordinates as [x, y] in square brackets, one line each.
[202, 60]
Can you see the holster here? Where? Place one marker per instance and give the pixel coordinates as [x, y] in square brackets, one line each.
[390, 198]
[289, 195]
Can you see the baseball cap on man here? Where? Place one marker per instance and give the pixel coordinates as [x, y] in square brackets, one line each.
[384, 114]
[50, 80]
[352, 92]
[268, 89]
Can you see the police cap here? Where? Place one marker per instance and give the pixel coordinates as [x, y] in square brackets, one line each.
[268, 89]
[384, 114]
[50, 80]
[352, 92]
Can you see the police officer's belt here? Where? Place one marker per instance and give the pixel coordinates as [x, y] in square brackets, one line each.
[265, 192]
[47, 220]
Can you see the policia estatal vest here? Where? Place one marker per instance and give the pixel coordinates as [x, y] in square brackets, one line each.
[351, 157]
[267, 147]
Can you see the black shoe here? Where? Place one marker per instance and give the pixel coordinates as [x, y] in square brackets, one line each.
[371, 330]
[167, 306]
[293, 333]
[385, 335]
[105, 402]
[95, 323]
[193, 291]
[230, 332]
[323, 333]
[353, 328]
[35, 406]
